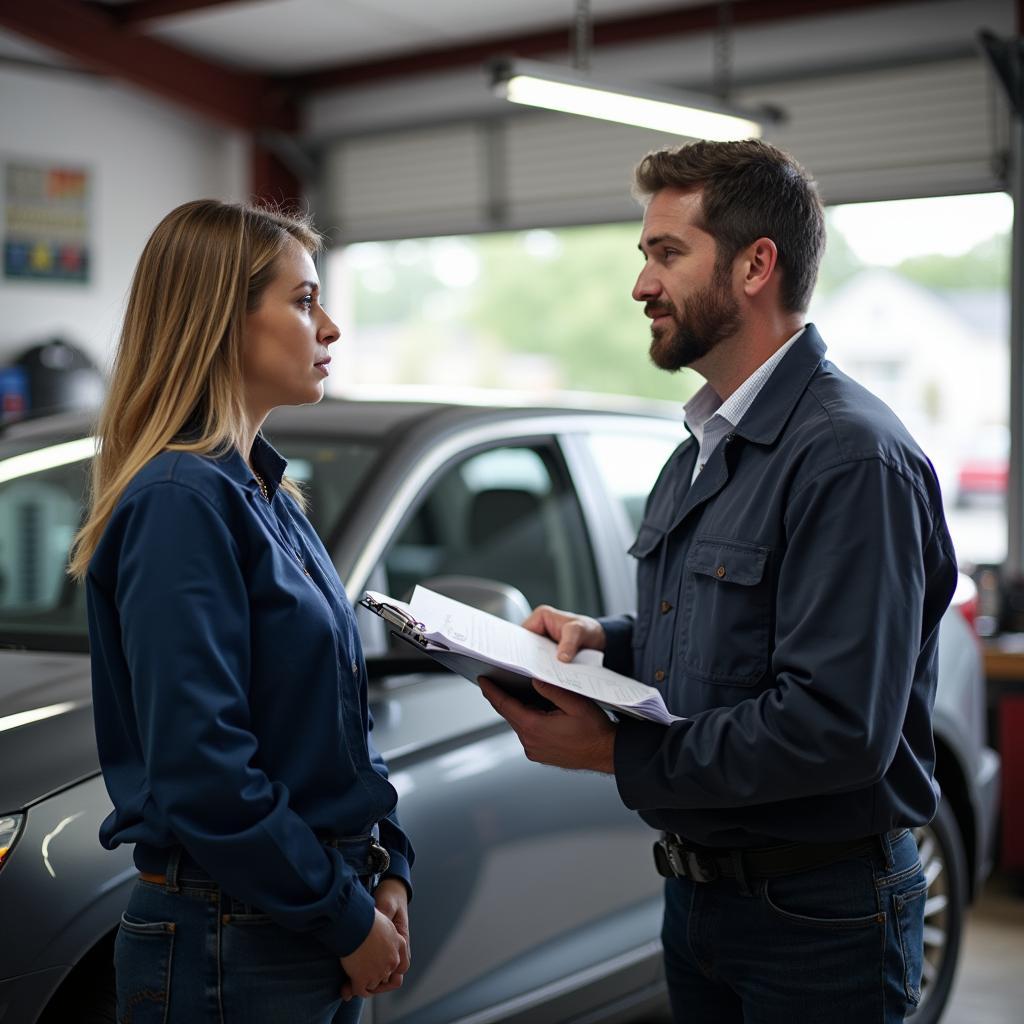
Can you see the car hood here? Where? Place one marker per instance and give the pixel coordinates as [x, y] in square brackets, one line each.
[46, 731]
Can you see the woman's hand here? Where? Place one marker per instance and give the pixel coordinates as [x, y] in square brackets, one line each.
[392, 899]
[384, 952]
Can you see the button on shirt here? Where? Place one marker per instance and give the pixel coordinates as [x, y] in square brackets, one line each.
[230, 694]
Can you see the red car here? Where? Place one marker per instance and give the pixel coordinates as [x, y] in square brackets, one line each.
[984, 471]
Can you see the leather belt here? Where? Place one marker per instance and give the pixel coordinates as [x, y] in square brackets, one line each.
[378, 860]
[675, 859]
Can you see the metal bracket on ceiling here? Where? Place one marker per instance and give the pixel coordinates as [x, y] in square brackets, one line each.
[721, 68]
[582, 42]
[297, 158]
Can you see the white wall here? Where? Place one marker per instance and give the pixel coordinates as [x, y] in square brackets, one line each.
[145, 156]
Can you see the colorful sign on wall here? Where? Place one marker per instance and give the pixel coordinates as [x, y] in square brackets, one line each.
[46, 222]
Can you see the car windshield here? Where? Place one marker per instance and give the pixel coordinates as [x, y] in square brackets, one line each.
[42, 489]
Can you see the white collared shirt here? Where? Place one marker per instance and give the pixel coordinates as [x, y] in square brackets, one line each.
[709, 419]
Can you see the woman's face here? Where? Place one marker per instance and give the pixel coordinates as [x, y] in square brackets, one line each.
[284, 350]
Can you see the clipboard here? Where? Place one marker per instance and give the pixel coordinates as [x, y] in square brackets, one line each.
[410, 631]
[474, 643]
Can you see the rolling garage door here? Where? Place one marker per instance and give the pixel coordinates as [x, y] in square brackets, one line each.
[926, 129]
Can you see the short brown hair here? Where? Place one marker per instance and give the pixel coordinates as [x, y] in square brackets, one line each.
[751, 190]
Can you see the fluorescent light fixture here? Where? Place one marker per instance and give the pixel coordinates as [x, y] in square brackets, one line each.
[665, 110]
[47, 458]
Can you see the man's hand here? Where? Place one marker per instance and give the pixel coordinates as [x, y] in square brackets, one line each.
[384, 953]
[576, 734]
[571, 632]
[392, 899]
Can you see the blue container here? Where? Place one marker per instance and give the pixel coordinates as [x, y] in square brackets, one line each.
[13, 393]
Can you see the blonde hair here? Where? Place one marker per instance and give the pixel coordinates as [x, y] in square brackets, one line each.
[176, 382]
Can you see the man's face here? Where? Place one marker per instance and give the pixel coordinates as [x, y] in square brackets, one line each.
[689, 299]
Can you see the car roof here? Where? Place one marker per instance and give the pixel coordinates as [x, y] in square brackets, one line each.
[357, 417]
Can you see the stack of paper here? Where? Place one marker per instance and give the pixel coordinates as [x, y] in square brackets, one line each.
[474, 643]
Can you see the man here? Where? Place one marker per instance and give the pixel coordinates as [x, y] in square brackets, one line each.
[793, 566]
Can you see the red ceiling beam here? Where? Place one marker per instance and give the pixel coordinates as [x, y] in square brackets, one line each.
[235, 98]
[608, 32]
[148, 10]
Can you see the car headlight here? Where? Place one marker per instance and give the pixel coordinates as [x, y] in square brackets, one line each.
[10, 826]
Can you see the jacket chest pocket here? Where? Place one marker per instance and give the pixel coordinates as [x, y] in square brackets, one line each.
[649, 551]
[727, 621]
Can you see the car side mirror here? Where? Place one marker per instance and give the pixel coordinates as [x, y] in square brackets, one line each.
[500, 599]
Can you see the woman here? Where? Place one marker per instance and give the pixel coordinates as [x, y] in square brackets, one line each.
[228, 678]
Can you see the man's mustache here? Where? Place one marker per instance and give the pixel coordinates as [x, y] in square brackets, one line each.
[654, 309]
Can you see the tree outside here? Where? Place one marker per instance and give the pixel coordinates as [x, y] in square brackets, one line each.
[545, 311]
[537, 310]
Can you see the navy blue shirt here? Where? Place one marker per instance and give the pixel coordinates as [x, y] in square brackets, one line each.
[789, 604]
[230, 693]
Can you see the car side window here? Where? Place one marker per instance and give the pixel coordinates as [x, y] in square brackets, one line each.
[507, 514]
[630, 464]
[39, 515]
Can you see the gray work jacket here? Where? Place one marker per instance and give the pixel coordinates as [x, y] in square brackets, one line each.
[789, 603]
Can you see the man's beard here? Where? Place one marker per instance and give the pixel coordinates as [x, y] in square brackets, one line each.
[710, 316]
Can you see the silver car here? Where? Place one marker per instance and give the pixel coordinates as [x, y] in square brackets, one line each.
[536, 895]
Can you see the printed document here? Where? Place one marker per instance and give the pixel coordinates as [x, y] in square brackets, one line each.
[448, 627]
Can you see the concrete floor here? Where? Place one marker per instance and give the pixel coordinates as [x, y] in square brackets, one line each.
[989, 987]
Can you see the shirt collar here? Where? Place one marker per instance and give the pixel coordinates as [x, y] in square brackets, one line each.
[771, 409]
[264, 459]
[268, 462]
[706, 402]
[700, 408]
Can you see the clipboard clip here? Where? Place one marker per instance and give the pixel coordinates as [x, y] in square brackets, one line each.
[403, 623]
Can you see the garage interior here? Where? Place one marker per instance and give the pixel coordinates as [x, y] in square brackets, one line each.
[378, 116]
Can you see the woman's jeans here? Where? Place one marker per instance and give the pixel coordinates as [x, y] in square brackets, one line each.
[198, 956]
[840, 944]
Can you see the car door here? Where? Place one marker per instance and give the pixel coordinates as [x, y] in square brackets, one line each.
[534, 888]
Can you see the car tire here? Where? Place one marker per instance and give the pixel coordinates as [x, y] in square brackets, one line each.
[104, 1013]
[98, 1005]
[945, 866]
[87, 995]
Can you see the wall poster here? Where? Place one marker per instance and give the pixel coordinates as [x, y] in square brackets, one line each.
[46, 221]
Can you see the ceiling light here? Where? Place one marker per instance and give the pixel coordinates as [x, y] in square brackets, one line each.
[692, 114]
[41, 459]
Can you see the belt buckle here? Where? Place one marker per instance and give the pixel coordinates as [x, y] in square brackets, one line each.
[699, 869]
[378, 859]
[673, 860]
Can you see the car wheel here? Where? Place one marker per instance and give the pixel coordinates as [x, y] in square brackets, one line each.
[945, 866]
[87, 995]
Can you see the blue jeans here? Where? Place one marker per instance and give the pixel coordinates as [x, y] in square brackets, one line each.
[840, 944]
[192, 954]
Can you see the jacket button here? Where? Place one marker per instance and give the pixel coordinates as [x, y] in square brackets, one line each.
[665, 607]
[659, 676]
[720, 572]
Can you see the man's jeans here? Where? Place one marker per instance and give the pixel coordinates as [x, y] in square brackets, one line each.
[841, 944]
[199, 956]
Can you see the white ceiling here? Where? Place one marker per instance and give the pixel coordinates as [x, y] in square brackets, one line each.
[295, 36]
[289, 36]
[888, 35]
